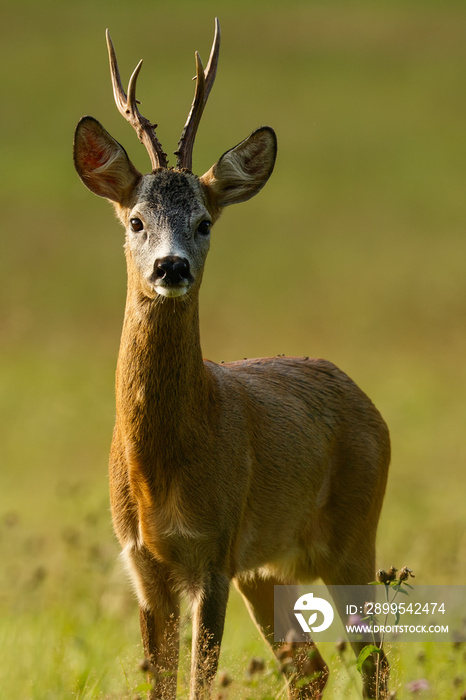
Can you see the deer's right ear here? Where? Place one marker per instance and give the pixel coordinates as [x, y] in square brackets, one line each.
[102, 164]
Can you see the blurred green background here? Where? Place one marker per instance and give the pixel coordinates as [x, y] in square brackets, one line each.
[355, 251]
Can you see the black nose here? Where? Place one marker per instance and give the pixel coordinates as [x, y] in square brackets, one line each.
[172, 269]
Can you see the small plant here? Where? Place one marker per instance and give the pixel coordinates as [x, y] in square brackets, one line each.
[393, 586]
[418, 686]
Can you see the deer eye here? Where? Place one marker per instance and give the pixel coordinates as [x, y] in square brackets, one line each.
[204, 227]
[136, 224]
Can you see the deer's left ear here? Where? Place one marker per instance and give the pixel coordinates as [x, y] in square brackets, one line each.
[243, 171]
[102, 164]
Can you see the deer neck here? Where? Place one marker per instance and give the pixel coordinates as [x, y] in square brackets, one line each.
[161, 383]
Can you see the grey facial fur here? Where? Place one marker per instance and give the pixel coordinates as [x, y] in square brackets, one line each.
[170, 205]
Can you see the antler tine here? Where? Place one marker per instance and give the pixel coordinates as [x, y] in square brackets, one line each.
[211, 70]
[186, 142]
[127, 106]
[204, 82]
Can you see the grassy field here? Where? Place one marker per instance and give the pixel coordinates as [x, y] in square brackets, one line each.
[355, 251]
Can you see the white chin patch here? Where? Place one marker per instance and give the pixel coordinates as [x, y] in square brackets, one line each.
[171, 292]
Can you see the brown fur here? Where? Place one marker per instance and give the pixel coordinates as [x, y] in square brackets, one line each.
[269, 470]
[260, 472]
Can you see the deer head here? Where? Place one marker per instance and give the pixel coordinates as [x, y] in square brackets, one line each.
[168, 213]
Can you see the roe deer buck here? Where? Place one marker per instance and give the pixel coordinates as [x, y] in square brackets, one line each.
[260, 472]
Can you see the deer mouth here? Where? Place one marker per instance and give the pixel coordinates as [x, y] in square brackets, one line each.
[171, 276]
[170, 290]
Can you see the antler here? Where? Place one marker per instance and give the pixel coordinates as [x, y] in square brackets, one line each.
[204, 82]
[127, 106]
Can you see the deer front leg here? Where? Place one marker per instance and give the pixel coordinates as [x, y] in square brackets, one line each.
[208, 622]
[159, 619]
[160, 639]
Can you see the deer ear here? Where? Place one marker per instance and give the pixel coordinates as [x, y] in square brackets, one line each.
[102, 164]
[243, 171]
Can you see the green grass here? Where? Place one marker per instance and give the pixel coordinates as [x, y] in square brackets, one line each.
[354, 251]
